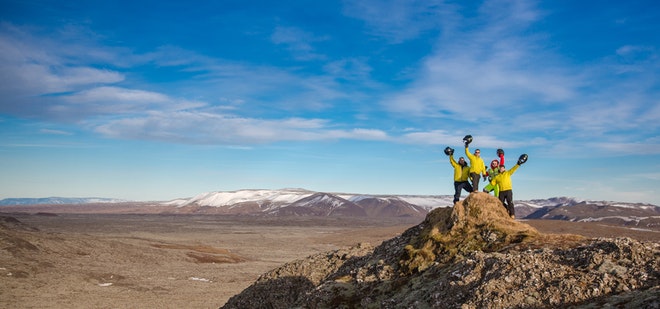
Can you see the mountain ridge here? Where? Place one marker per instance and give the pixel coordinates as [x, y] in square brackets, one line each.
[211, 198]
[302, 202]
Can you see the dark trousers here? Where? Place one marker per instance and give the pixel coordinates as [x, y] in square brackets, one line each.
[506, 197]
[475, 180]
[458, 187]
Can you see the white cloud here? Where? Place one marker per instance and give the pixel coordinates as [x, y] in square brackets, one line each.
[208, 128]
[116, 94]
[25, 72]
[453, 139]
[437, 137]
[99, 97]
[37, 71]
[55, 132]
[349, 68]
[298, 42]
[487, 65]
[103, 101]
[492, 74]
[400, 20]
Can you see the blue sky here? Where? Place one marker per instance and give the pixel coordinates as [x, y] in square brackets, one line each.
[150, 100]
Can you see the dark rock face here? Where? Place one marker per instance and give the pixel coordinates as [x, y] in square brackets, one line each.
[469, 256]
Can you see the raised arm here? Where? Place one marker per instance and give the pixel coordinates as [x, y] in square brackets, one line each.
[452, 161]
[500, 153]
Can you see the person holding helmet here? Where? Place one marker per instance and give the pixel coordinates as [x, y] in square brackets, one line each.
[503, 179]
[492, 172]
[461, 174]
[477, 166]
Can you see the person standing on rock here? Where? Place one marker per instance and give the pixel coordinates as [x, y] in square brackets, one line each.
[461, 174]
[493, 171]
[477, 166]
[503, 180]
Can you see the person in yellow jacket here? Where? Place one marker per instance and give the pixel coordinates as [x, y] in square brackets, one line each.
[503, 180]
[461, 174]
[492, 172]
[477, 166]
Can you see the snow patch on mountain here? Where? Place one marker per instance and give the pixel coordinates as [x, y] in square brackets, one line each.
[621, 204]
[634, 219]
[260, 197]
[551, 202]
[429, 202]
[324, 199]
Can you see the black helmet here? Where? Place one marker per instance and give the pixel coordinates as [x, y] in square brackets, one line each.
[522, 159]
[467, 139]
[500, 151]
[449, 151]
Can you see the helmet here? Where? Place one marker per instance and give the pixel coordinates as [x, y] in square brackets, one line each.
[500, 151]
[449, 151]
[522, 159]
[494, 163]
[467, 139]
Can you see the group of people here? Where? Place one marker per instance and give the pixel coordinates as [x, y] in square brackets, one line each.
[466, 177]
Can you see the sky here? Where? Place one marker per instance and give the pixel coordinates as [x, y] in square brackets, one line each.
[157, 100]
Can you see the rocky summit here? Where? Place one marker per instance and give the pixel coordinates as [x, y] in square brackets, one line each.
[470, 256]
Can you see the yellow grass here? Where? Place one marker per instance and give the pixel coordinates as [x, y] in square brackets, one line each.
[480, 222]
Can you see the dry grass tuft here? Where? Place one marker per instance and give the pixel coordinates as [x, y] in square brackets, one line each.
[479, 223]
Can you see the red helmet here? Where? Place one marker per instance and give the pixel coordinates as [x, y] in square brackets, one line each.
[494, 164]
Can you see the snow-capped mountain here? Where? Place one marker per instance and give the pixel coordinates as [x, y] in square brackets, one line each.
[322, 204]
[536, 207]
[628, 214]
[262, 198]
[300, 202]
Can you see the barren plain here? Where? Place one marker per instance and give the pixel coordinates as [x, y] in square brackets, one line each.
[180, 261]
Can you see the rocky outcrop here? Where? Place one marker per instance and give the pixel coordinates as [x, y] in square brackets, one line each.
[470, 256]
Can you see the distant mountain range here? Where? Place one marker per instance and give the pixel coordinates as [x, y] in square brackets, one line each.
[57, 201]
[301, 202]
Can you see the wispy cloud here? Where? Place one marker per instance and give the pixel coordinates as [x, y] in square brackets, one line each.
[213, 128]
[489, 64]
[401, 20]
[55, 132]
[298, 42]
[80, 92]
[26, 71]
[490, 74]
[486, 73]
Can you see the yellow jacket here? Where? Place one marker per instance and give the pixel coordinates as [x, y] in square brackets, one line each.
[460, 173]
[504, 179]
[477, 165]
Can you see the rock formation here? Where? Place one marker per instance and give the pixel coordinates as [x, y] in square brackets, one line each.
[470, 256]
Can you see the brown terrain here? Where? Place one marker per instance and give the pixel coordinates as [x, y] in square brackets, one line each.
[91, 260]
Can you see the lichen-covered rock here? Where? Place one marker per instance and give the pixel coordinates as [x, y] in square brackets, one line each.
[469, 256]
